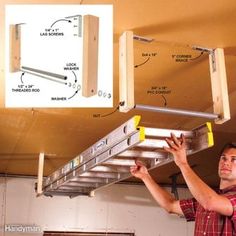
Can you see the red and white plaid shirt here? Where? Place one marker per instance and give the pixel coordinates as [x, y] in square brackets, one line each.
[211, 223]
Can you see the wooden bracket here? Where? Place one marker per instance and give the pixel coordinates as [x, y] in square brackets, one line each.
[15, 48]
[90, 55]
[219, 85]
[40, 175]
[126, 71]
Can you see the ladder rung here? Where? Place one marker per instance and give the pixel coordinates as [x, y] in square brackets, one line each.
[142, 154]
[119, 162]
[79, 185]
[112, 169]
[88, 180]
[165, 133]
[156, 144]
[100, 175]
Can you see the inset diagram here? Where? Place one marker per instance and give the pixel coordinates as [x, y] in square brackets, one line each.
[59, 61]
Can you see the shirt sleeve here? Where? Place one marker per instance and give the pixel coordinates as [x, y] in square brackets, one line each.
[188, 207]
[232, 199]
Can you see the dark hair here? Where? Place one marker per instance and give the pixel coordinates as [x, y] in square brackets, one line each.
[227, 146]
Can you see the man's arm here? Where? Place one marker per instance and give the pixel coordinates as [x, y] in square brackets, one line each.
[163, 198]
[207, 197]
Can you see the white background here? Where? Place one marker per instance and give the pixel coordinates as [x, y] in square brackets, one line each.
[52, 53]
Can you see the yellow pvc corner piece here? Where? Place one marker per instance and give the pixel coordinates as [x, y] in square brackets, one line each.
[137, 120]
[210, 134]
[208, 124]
[141, 133]
[210, 139]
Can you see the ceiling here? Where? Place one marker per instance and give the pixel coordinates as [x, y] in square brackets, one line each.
[176, 26]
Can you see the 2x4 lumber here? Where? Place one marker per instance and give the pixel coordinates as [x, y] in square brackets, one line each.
[126, 72]
[90, 55]
[219, 85]
[15, 48]
[40, 174]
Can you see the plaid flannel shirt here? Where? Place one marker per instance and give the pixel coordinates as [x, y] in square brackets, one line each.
[211, 223]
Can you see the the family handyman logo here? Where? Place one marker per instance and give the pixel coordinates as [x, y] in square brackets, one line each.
[18, 228]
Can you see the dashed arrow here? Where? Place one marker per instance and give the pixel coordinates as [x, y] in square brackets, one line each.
[60, 20]
[164, 100]
[21, 77]
[73, 94]
[197, 56]
[117, 108]
[142, 63]
[75, 76]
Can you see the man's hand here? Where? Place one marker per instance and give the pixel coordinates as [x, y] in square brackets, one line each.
[163, 197]
[139, 170]
[177, 146]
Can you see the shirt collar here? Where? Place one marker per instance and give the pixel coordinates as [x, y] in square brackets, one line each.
[228, 189]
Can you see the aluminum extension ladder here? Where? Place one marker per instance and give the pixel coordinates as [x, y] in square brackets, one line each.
[108, 161]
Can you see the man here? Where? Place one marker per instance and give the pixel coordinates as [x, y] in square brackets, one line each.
[214, 213]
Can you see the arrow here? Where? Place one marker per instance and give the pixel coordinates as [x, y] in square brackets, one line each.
[110, 112]
[164, 100]
[142, 63]
[73, 94]
[60, 20]
[21, 77]
[197, 56]
[75, 76]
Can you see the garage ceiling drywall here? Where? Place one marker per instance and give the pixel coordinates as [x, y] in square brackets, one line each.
[176, 26]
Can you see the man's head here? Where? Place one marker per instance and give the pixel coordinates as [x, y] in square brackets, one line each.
[227, 164]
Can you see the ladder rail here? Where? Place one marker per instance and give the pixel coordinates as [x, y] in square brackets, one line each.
[88, 166]
[100, 146]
